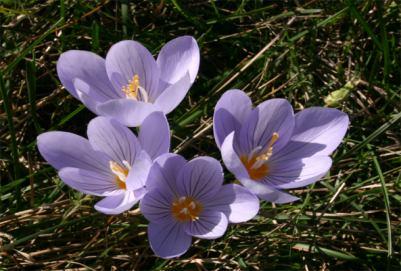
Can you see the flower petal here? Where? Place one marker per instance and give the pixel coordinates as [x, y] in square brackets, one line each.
[210, 225]
[177, 57]
[88, 67]
[113, 205]
[297, 173]
[236, 202]
[271, 116]
[278, 197]
[129, 112]
[114, 139]
[89, 182]
[267, 192]
[172, 96]
[231, 159]
[82, 89]
[61, 149]
[156, 206]
[168, 240]
[230, 112]
[128, 58]
[318, 131]
[139, 172]
[154, 135]
[164, 173]
[201, 178]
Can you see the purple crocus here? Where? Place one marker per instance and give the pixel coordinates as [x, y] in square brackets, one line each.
[112, 163]
[130, 84]
[188, 199]
[268, 148]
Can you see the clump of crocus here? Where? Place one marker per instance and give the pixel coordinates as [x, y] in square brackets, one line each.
[188, 199]
[130, 84]
[268, 148]
[112, 162]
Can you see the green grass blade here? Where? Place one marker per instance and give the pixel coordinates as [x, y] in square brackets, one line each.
[372, 136]
[329, 252]
[5, 96]
[31, 86]
[355, 13]
[10, 67]
[386, 204]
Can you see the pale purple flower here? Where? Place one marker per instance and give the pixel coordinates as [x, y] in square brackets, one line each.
[130, 84]
[112, 162]
[268, 148]
[188, 199]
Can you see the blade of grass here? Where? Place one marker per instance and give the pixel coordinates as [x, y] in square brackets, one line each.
[10, 67]
[241, 15]
[365, 26]
[124, 18]
[386, 203]
[31, 86]
[330, 20]
[345, 198]
[95, 36]
[9, 113]
[329, 252]
[385, 46]
[8, 247]
[379, 131]
[62, 21]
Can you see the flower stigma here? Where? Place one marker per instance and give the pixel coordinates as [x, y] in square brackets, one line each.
[120, 173]
[256, 165]
[186, 209]
[134, 91]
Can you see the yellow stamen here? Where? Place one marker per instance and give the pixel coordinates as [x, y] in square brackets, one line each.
[265, 156]
[256, 164]
[186, 209]
[120, 174]
[132, 89]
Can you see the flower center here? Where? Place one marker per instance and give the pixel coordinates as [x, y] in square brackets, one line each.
[256, 165]
[186, 209]
[120, 173]
[133, 90]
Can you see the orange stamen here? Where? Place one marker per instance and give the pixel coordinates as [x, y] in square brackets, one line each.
[186, 209]
[256, 164]
[254, 173]
[120, 174]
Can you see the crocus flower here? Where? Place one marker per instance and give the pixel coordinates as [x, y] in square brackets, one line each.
[268, 148]
[112, 163]
[130, 84]
[188, 199]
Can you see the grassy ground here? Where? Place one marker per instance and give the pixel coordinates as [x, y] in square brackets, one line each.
[315, 53]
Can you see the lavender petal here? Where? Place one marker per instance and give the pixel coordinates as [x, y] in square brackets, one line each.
[172, 96]
[230, 112]
[236, 202]
[271, 116]
[199, 178]
[210, 225]
[61, 149]
[89, 68]
[129, 112]
[114, 139]
[287, 174]
[177, 57]
[154, 134]
[89, 182]
[128, 58]
[113, 205]
[168, 240]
